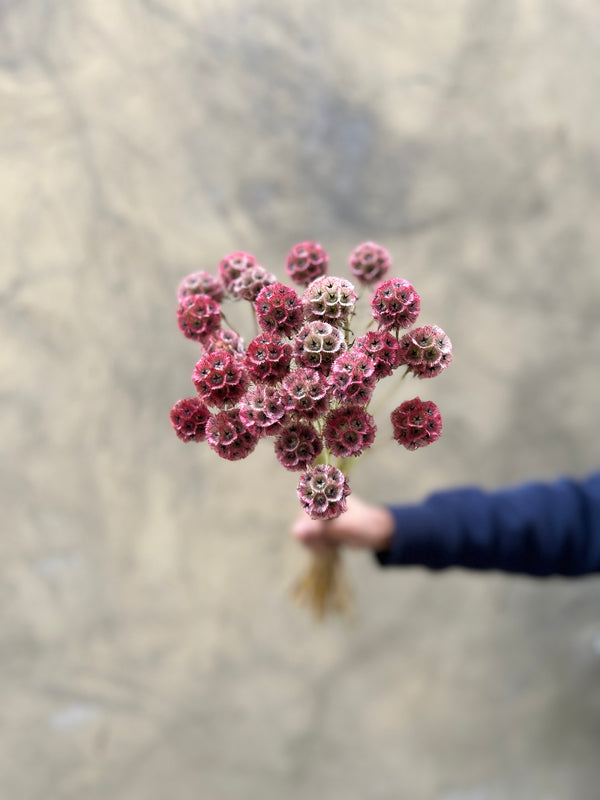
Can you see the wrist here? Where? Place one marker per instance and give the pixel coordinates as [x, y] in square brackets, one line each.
[382, 530]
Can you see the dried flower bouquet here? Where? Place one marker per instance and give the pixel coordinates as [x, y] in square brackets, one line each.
[306, 380]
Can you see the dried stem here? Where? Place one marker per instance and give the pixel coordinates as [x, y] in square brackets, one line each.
[323, 588]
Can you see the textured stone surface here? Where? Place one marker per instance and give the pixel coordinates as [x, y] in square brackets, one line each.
[149, 647]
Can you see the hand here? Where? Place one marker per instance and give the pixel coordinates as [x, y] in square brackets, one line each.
[361, 525]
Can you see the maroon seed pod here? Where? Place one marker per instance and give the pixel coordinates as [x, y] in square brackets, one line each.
[395, 304]
[349, 431]
[426, 351]
[268, 358]
[279, 310]
[220, 378]
[229, 437]
[369, 262]
[198, 317]
[200, 283]
[305, 262]
[322, 491]
[416, 423]
[297, 446]
[189, 418]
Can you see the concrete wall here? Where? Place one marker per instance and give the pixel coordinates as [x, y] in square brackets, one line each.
[149, 646]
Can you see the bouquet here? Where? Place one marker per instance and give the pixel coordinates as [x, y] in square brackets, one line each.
[306, 379]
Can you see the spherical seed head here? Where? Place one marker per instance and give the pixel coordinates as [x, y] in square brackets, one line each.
[352, 378]
[426, 351]
[382, 346]
[232, 266]
[349, 431]
[322, 491]
[330, 299]
[219, 378]
[227, 340]
[416, 423]
[395, 304]
[297, 446]
[369, 262]
[279, 309]
[306, 393]
[200, 283]
[318, 344]
[249, 283]
[228, 436]
[198, 317]
[189, 418]
[263, 408]
[268, 358]
[305, 262]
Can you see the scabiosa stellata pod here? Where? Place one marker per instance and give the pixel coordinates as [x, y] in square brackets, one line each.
[416, 423]
[329, 299]
[369, 262]
[219, 378]
[306, 392]
[395, 304]
[198, 316]
[228, 340]
[250, 281]
[305, 262]
[382, 346]
[232, 266]
[426, 351]
[200, 283]
[279, 309]
[268, 358]
[188, 418]
[297, 446]
[228, 436]
[263, 408]
[322, 491]
[349, 430]
[352, 378]
[318, 344]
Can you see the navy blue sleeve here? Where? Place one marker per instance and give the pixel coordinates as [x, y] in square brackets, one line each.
[534, 528]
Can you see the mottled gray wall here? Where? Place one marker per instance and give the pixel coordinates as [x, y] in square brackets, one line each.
[149, 647]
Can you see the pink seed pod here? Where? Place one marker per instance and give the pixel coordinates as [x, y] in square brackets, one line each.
[200, 283]
[229, 437]
[305, 262]
[318, 344]
[297, 446]
[416, 423]
[189, 418]
[232, 266]
[220, 378]
[227, 340]
[322, 491]
[279, 309]
[369, 262]
[352, 378]
[249, 283]
[268, 358]
[329, 299]
[198, 317]
[306, 392]
[395, 304]
[381, 346]
[263, 408]
[426, 351]
[349, 431]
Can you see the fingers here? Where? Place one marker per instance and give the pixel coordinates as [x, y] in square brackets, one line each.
[312, 533]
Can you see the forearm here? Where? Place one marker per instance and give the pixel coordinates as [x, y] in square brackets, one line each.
[536, 529]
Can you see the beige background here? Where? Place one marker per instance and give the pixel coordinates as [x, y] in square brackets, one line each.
[149, 647]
